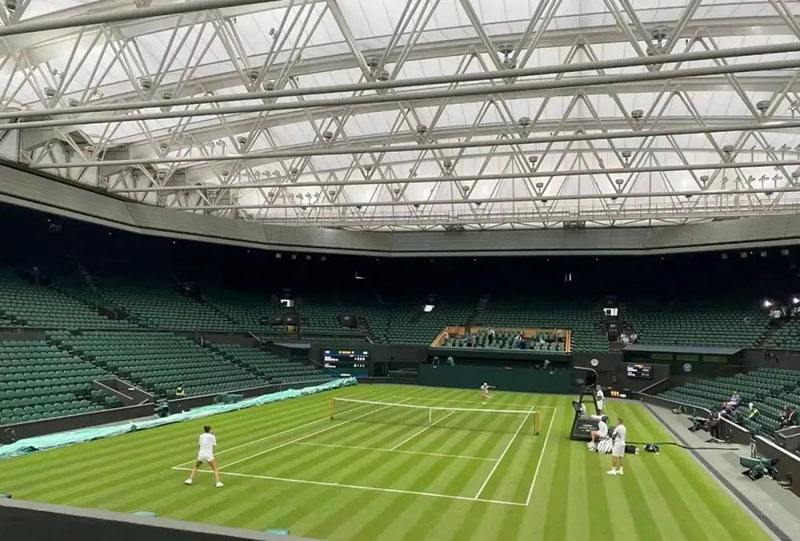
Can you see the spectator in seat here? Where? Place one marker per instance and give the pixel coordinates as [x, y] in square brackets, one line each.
[727, 411]
[788, 417]
[734, 402]
[435, 362]
[179, 391]
[624, 339]
[634, 337]
[450, 361]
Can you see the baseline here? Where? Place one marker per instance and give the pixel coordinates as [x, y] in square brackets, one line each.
[535, 406]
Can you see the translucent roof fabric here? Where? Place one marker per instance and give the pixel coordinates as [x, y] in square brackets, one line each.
[675, 142]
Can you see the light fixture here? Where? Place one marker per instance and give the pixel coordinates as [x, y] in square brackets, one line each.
[767, 303]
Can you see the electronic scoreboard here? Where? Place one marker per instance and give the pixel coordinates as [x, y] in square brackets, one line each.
[346, 362]
[640, 371]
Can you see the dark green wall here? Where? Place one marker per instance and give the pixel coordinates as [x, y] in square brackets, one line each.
[505, 379]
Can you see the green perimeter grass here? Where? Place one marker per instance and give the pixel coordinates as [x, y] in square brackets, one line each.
[669, 496]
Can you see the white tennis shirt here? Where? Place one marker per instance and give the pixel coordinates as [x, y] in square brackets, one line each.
[207, 444]
[620, 432]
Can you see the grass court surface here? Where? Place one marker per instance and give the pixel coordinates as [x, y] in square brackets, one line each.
[384, 473]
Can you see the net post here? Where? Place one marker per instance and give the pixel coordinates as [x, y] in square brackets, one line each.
[536, 423]
[430, 415]
[332, 406]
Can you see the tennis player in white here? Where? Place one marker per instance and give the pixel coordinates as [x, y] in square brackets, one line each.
[485, 391]
[618, 450]
[207, 442]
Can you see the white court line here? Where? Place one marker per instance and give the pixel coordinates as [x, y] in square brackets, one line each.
[361, 487]
[394, 451]
[421, 431]
[423, 398]
[303, 437]
[486, 482]
[541, 456]
[281, 433]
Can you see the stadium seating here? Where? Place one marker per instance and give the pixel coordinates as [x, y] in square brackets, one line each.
[40, 381]
[719, 324]
[770, 389]
[25, 304]
[157, 304]
[409, 324]
[159, 361]
[320, 317]
[581, 318]
[269, 365]
[246, 309]
[786, 336]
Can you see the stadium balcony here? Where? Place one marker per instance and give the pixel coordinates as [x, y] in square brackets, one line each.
[533, 339]
[582, 319]
[40, 381]
[158, 361]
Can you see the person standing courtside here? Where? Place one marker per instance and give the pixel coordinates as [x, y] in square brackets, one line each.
[600, 400]
[618, 449]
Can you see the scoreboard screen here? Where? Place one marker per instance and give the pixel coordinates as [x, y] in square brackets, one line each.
[640, 371]
[345, 358]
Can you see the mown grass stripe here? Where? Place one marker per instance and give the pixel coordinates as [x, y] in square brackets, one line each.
[133, 472]
[686, 506]
[558, 497]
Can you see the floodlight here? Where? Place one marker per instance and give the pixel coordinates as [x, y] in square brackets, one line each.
[767, 303]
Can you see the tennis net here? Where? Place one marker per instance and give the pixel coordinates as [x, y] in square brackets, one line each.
[395, 413]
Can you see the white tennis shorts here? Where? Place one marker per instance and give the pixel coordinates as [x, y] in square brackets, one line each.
[618, 450]
[203, 457]
[600, 405]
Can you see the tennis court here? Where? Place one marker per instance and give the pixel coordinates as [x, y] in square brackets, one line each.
[393, 474]
[444, 438]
